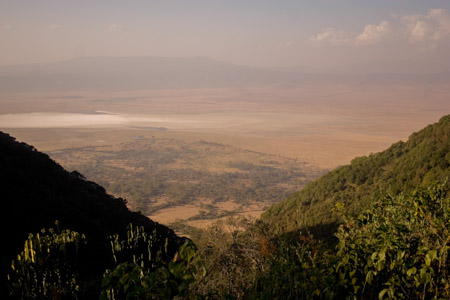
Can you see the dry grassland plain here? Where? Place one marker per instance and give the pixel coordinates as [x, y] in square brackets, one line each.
[323, 126]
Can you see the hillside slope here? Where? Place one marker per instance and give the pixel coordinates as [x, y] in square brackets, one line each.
[420, 161]
[36, 191]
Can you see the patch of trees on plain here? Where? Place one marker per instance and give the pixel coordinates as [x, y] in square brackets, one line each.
[153, 174]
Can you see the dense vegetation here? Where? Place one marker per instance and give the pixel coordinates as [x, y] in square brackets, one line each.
[36, 191]
[49, 267]
[397, 249]
[158, 173]
[423, 159]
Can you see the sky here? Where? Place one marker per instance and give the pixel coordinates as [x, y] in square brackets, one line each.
[315, 34]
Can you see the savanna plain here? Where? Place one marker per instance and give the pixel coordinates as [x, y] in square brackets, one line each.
[189, 157]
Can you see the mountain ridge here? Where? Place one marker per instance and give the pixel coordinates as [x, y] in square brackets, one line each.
[36, 192]
[420, 161]
[128, 73]
[103, 73]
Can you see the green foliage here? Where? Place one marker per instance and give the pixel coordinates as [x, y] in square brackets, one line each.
[47, 267]
[231, 250]
[298, 268]
[423, 159]
[139, 247]
[140, 273]
[399, 249]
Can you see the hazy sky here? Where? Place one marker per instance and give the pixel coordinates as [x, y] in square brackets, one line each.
[271, 33]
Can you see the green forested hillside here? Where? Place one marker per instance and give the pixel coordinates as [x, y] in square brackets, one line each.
[420, 161]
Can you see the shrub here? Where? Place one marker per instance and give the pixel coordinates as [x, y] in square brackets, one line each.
[47, 267]
[399, 249]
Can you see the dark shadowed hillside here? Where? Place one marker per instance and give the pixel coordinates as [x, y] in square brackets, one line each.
[36, 191]
[422, 160]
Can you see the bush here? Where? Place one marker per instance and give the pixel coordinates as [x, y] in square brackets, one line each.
[47, 267]
[140, 273]
[399, 249]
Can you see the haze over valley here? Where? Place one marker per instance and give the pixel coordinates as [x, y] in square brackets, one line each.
[290, 107]
[317, 121]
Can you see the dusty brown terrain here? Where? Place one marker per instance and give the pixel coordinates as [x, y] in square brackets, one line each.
[324, 126]
[171, 179]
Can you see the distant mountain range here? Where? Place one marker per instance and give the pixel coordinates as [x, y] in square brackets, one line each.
[130, 73]
[140, 73]
[422, 160]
